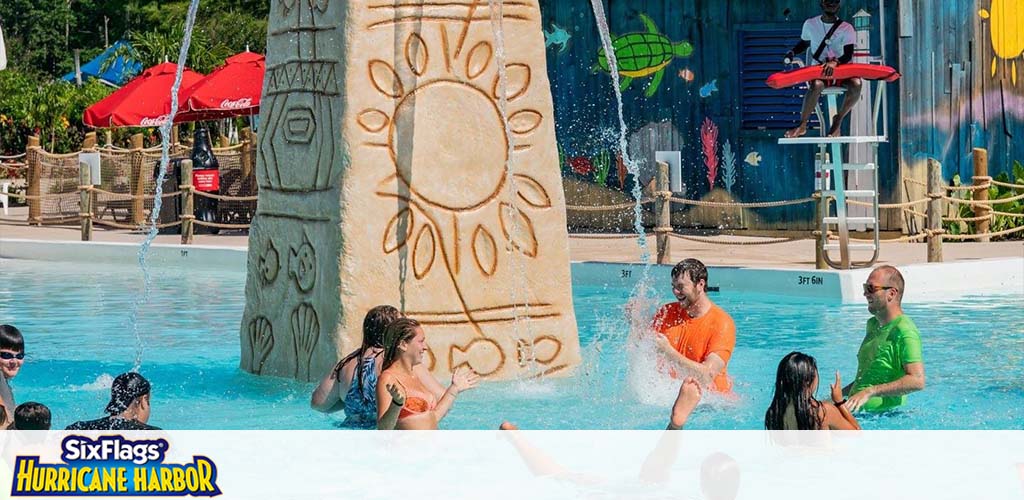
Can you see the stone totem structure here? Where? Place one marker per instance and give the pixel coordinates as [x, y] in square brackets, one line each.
[400, 162]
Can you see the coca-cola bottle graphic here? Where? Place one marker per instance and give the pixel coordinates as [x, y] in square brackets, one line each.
[205, 178]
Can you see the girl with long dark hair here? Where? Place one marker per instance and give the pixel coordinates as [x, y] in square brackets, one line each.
[403, 401]
[793, 404]
[352, 384]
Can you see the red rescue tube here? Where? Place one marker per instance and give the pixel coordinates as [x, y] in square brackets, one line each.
[785, 79]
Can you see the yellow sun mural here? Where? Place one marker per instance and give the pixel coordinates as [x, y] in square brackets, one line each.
[437, 114]
[1006, 28]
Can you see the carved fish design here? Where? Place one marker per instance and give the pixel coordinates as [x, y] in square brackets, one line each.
[543, 350]
[484, 356]
[302, 266]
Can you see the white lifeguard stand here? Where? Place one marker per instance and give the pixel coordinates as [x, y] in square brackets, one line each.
[867, 117]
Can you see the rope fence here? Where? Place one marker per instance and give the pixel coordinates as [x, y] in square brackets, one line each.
[124, 197]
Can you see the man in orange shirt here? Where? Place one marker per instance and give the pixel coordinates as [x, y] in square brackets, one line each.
[696, 336]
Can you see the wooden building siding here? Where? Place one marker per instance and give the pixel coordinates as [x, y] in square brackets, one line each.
[930, 113]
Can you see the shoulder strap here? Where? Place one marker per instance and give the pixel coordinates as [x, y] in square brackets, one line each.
[821, 47]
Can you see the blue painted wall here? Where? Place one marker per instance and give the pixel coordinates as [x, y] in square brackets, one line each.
[587, 124]
[951, 101]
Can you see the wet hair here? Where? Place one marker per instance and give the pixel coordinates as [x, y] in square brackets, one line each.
[400, 330]
[374, 324]
[127, 387]
[719, 477]
[893, 278]
[11, 338]
[693, 268]
[32, 416]
[793, 380]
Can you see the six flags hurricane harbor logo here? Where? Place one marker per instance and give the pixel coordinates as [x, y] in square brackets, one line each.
[114, 466]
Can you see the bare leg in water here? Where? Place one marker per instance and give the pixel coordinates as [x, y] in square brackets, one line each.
[814, 89]
[853, 88]
[654, 469]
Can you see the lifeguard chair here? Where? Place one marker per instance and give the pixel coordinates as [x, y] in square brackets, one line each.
[871, 129]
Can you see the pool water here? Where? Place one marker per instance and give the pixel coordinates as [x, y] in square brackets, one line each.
[75, 317]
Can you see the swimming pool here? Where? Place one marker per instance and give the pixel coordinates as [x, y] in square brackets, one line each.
[75, 317]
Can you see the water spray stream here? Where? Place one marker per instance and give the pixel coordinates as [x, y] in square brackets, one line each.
[642, 297]
[165, 136]
[496, 13]
[631, 166]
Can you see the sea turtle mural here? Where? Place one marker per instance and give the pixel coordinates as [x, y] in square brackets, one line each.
[642, 54]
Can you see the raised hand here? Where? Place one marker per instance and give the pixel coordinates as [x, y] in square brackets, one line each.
[397, 394]
[463, 378]
[837, 389]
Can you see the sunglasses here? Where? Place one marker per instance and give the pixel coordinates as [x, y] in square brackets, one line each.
[11, 355]
[869, 288]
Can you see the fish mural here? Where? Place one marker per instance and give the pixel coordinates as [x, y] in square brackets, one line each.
[557, 36]
[753, 159]
[686, 75]
[642, 54]
[709, 88]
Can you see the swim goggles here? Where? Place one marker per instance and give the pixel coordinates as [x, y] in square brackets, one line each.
[10, 355]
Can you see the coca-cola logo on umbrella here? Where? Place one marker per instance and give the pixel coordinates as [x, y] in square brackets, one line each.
[153, 122]
[245, 102]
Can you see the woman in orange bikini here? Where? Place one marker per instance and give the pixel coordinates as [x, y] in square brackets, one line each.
[403, 401]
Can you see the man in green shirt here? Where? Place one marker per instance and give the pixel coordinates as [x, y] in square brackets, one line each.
[889, 363]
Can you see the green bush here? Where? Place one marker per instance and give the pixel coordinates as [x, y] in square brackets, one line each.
[999, 222]
[53, 111]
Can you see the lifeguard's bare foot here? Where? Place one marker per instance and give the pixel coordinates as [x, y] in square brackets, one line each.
[835, 130]
[686, 401]
[796, 132]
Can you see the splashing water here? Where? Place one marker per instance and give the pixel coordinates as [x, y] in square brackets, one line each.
[165, 136]
[496, 14]
[631, 166]
[646, 384]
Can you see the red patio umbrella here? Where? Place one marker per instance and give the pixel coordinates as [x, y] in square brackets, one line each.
[142, 102]
[230, 90]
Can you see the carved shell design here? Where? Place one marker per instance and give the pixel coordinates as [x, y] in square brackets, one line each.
[261, 339]
[305, 334]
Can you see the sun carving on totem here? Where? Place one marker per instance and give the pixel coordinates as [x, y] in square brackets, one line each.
[437, 112]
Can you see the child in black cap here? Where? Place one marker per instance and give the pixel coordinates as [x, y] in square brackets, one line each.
[128, 407]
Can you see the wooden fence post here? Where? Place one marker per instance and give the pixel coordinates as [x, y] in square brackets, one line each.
[820, 206]
[187, 204]
[35, 172]
[247, 144]
[936, 189]
[980, 178]
[85, 199]
[138, 181]
[663, 214]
